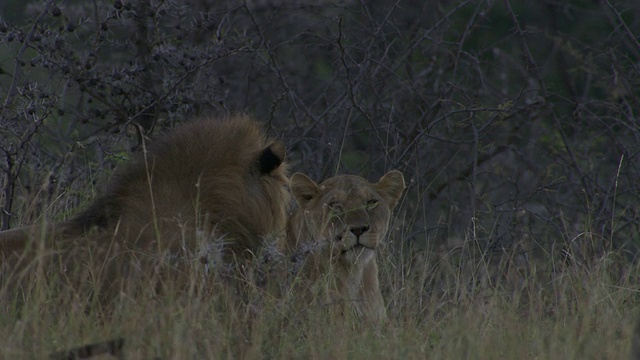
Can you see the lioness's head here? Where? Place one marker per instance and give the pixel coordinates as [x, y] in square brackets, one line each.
[349, 216]
[348, 211]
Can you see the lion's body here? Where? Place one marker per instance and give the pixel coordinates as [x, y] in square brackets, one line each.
[208, 179]
[203, 175]
[347, 217]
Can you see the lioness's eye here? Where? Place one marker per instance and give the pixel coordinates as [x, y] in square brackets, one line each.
[372, 204]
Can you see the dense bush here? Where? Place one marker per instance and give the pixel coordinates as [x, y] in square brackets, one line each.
[515, 124]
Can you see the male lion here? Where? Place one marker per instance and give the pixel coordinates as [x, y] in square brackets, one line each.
[347, 217]
[206, 179]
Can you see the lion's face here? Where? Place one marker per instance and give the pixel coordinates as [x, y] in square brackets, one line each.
[349, 216]
[348, 211]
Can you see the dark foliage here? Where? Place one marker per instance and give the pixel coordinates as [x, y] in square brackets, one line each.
[515, 123]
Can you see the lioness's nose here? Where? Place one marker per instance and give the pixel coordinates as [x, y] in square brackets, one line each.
[359, 230]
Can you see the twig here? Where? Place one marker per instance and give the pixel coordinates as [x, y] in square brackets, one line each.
[25, 44]
[624, 25]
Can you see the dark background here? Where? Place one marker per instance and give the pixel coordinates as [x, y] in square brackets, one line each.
[514, 122]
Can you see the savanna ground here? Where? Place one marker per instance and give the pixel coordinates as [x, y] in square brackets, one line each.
[515, 124]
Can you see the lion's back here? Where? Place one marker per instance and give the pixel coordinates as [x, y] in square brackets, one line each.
[201, 171]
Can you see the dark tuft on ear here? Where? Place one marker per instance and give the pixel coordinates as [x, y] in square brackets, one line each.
[271, 157]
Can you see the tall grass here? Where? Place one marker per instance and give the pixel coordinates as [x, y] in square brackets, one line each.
[441, 304]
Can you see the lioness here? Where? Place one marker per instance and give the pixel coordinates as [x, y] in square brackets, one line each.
[348, 217]
[207, 179]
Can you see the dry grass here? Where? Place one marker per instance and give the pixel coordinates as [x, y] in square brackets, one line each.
[437, 309]
[441, 304]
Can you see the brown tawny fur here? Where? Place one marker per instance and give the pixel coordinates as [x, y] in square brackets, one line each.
[208, 179]
[341, 222]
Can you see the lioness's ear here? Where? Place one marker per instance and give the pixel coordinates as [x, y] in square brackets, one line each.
[390, 187]
[271, 157]
[303, 188]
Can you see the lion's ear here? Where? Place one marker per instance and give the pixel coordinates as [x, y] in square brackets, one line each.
[271, 157]
[390, 187]
[303, 188]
